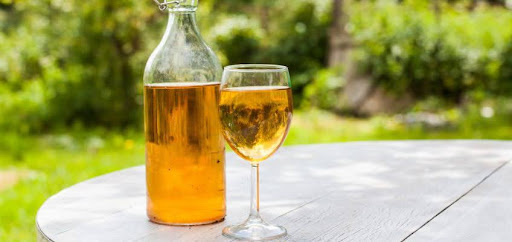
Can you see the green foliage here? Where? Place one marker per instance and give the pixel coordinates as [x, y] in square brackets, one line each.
[67, 62]
[294, 35]
[239, 40]
[81, 63]
[407, 48]
[72, 61]
[325, 89]
[301, 44]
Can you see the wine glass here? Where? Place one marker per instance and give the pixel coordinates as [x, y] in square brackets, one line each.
[256, 111]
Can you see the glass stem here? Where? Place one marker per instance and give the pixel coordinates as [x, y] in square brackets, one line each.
[255, 192]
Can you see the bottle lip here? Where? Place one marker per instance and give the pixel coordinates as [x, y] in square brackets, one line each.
[256, 68]
[183, 9]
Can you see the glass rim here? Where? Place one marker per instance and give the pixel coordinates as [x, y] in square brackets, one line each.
[261, 68]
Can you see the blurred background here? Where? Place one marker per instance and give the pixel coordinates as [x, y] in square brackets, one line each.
[71, 78]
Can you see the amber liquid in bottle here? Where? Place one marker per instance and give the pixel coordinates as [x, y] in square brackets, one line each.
[256, 119]
[184, 153]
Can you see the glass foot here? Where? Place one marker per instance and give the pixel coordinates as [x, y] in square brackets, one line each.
[254, 229]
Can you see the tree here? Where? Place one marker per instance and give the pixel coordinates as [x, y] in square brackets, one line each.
[339, 39]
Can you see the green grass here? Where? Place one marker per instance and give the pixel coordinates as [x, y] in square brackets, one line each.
[49, 163]
[53, 164]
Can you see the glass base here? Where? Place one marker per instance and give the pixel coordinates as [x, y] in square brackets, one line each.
[254, 229]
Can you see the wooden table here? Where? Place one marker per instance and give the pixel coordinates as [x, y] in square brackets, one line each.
[363, 191]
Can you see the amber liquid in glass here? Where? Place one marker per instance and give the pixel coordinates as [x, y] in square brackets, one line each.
[184, 153]
[256, 119]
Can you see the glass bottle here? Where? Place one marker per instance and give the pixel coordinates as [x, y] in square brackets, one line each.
[185, 151]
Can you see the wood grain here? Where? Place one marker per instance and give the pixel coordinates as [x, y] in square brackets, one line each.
[484, 214]
[370, 191]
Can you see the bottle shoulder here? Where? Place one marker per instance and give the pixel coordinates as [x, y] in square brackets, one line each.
[182, 56]
[186, 63]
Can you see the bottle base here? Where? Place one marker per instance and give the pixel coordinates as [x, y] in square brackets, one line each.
[185, 224]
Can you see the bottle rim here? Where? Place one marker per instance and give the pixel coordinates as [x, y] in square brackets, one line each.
[256, 68]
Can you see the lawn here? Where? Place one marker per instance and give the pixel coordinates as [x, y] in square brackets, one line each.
[33, 168]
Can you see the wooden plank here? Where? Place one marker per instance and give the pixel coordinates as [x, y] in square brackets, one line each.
[484, 214]
[355, 191]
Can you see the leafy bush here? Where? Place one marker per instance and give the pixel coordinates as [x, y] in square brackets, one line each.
[296, 37]
[325, 90]
[406, 48]
[66, 62]
[239, 40]
[301, 44]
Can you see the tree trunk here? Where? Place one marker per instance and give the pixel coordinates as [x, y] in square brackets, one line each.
[264, 17]
[339, 48]
[339, 39]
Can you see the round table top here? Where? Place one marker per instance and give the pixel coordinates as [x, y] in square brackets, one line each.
[377, 191]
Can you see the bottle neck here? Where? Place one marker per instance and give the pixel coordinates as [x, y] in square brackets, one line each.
[182, 21]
